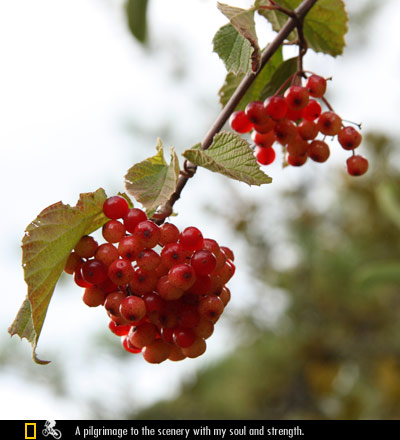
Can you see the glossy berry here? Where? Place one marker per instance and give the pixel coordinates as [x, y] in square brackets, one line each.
[72, 263]
[168, 291]
[329, 123]
[316, 86]
[128, 346]
[264, 140]
[203, 262]
[296, 161]
[276, 107]
[120, 272]
[129, 247]
[156, 352]
[357, 165]
[94, 271]
[148, 259]
[172, 254]
[349, 138]
[142, 335]
[113, 301]
[255, 112]
[211, 308]
[106, 253]
[191, 239]
[119, 330]
[308, 130]
[169, 233]
[184, 337]
[182, 276]
[228, 253]
[311, 111]
[133, 217]
[94, 296]
[143, 281]
[285, 131]
[86, 247]
[297, 147]
[115, 207]
[319, 151]
[132, 308]
[113, 231]
[147, 233]
[195, 350]
[296, 97]
[240, 122]
[264, 156]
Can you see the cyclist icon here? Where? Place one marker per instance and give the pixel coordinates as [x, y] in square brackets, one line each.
[49, 429]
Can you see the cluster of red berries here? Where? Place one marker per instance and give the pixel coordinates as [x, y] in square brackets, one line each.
[162, 304]
[294, 121]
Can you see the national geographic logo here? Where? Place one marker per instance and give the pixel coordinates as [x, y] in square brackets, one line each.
[30, 431]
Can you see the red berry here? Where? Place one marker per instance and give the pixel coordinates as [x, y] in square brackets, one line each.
[172, 254]
[311, 111]
[79, 280]
[240, 122]
[316, 86]
[148, 259]
[106, 253]
[349, 138]
[184, 337]
[264, 140]
[147, 233]
[121, 272]
[132, 308]
[228, 253]
[198, 347]
[129, 247]
[319, 151]
[308, 130]
[115, 207]
[156, 352]
[203, 262]
[264, 156]
[329, 123]
[276, 107]
[294, 115]
[142, 335]
[182, 276]
[113, 231]
[169, 233]
[297, 161]
[86, 247]
[113, 301]
[297, 147]
[73, 262]
[285, 131]
[296, 97]
[191, 239]
[94, 271]
[119, 330]
[94, 296]
[357, 165]
[211, 308]
[143, 281]
[128, 346]
[133, 218]
[168, 291]
[255, 112]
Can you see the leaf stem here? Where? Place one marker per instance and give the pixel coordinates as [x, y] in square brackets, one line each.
[293, 22]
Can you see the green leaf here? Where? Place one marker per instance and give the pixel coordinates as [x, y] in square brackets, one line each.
[230, 155]
[46, 245]
[153, 181]
[282, 73]
[233, 49]
[324, 26]
[256, 90]
[243, 22]
[136, 12]
[383, 272]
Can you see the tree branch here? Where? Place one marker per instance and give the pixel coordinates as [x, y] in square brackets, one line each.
[293, 22]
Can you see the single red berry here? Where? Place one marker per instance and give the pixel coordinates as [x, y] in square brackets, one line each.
[266, 127]
[203, 262]
[276, 107]
[128, 346]
[240, 122]
[228, 253]
[129, 247]
[296, 97]
[94, 271]
[357, 165]
[211, 308]
[106, 253]
[294, 115]
[316, 86]
[264, 156]
[147, 233]
[211, 245]
[148, 259]
[204, 329]
[285, 131]
[133, 218]
[168, 291]
[115, 207]
[86, 247]
[142, 335]
[184, 337]
[191, 239]
[113, 301]
[264, 140]
[255, 112]
[329, 123]
[132, 308]
[73, 262]
[311, 111]
[297, 161]
[349, 138]
[182, 276]
[153, 301]
[195, 350]
[169, 233]
[202, 285]
[143, 281]
[297, 147]
[113, 231]
[119, 330]
[173, 253]
[120, 272]
[308, 130]
[79, 280]
[157, 352]
[94, 296]
[319, 151]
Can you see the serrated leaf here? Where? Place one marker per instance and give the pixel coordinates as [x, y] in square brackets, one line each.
[136, 14]
[233, 49]
[153, 181]
[243, 22]
[230, 155]
[255, 91]
[46, 245]
[324, 27]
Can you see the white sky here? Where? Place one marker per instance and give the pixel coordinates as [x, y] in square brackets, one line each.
[71, 80]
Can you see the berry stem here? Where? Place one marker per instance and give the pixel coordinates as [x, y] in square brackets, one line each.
[296, 18]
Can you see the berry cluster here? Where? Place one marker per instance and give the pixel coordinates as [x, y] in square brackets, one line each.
[294, 121]
[162, 304]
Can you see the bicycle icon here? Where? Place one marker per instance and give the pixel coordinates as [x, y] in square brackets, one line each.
[50, 430]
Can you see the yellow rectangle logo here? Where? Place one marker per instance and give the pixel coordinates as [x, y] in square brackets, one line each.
[30, 430]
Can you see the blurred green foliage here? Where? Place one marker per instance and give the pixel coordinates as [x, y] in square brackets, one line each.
[335, 352]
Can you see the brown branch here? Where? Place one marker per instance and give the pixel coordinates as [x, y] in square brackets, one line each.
[297, 16]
